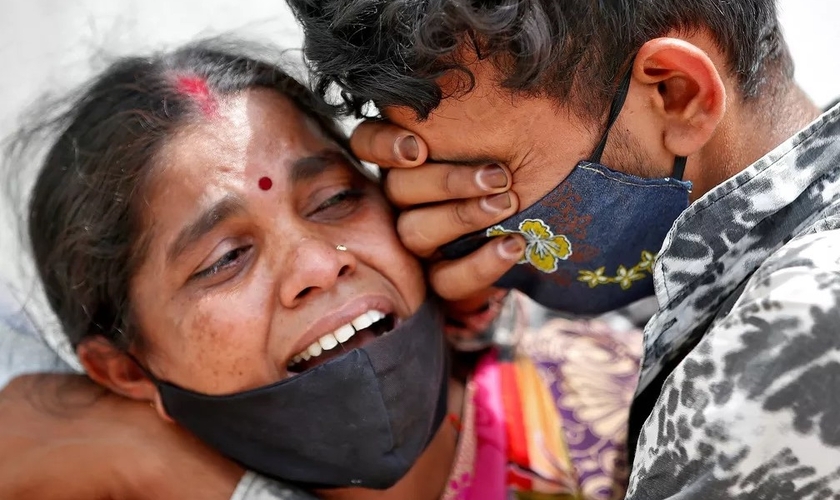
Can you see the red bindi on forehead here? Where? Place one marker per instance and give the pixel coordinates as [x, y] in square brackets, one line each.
[265, 183]
[196, 88]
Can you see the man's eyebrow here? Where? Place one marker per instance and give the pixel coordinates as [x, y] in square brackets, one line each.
[204, 223]
[309, 167]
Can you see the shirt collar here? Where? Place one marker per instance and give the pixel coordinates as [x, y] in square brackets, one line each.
[722, 238]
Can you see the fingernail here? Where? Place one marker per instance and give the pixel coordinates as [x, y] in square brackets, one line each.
[491, 177]
[407, 148]
[511, 248]
[496, 203]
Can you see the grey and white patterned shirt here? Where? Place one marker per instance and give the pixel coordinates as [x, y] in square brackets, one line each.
[748, 283]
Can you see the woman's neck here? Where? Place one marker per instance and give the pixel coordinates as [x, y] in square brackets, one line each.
[426, 480]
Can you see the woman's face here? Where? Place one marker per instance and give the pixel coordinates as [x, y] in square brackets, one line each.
[242, 281]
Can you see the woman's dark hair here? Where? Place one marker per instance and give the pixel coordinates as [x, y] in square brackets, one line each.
[85, 223]
[392, 52]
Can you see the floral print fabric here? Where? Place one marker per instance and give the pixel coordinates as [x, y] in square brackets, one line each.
[589, 372]
[592, 372]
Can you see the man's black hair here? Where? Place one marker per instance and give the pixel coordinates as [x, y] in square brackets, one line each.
[392, 52]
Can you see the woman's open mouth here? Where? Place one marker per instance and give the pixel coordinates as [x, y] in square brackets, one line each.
[357, 333]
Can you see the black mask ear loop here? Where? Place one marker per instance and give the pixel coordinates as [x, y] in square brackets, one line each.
[156, 381]
[679, 167]
[143, 369]
[615, 110]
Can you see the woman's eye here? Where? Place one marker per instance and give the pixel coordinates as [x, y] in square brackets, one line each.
[344, 199]
[227, 260]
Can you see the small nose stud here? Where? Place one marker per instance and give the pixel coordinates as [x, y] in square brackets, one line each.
[341, 248]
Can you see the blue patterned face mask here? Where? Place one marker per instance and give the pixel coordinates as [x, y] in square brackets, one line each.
[592, 240]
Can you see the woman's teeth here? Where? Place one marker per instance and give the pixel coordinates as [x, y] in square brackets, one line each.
[341, 335]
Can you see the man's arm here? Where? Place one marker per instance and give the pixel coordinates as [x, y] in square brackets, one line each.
[63, 437]
[753, 411]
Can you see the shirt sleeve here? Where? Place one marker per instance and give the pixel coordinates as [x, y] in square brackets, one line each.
[752, 411]
[255, 487]
[22, 349]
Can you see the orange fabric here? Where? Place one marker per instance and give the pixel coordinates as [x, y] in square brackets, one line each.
[514, 420]
[547, 452]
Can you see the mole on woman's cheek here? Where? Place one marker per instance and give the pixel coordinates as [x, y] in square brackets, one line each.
[265, 183]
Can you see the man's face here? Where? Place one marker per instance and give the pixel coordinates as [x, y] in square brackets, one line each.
[539, 140]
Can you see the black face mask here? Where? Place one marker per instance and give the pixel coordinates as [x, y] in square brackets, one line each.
[361, 419]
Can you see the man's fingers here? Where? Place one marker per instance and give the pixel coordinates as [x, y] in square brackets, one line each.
[476, 303]
[387, 145]
[462, 278]
[434, 182]
[423, 230]
[477, 312]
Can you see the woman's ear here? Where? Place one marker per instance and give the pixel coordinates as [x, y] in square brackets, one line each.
[115, 370]
[685, 89]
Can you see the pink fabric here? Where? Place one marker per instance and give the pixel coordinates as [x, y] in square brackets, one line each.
[490, 476]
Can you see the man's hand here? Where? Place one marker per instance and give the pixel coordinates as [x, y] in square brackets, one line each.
[468, 321]
[64, 438]
[440, 203]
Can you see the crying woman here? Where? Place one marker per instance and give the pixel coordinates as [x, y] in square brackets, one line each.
[211, 247]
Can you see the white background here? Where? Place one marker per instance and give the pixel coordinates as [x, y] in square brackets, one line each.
[54, 44]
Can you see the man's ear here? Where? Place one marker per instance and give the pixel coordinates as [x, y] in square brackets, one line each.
[115, 370]
[685, 88]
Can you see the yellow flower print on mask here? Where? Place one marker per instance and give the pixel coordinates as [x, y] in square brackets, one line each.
[624, 277]
[543, 249]
[646, 264]
[595, 278]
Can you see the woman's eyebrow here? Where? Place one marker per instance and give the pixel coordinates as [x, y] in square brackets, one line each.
[309, 167]
[208, 219]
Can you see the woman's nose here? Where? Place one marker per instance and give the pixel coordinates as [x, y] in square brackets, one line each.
[314, 266]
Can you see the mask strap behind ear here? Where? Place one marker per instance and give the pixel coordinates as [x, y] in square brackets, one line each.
[615, 110]
[679, 167]
[143, 369]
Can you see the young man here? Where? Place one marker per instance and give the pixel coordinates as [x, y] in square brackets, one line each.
[489, 106]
